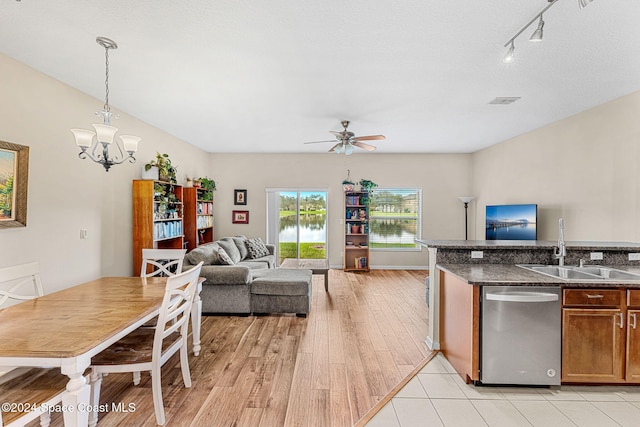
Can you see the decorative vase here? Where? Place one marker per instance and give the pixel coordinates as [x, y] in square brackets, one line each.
[152, 173]
[355, 229]
[347, 187]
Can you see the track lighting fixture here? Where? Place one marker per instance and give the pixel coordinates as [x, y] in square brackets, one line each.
[537, 34]
[511, 54]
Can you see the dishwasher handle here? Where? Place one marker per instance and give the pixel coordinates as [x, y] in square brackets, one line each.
[522, 296]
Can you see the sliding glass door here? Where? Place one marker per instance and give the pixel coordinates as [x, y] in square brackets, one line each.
[298, 223]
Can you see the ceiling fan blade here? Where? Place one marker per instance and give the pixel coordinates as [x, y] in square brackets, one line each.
[369, 138]
[363, 145]
[318, 142]
[335, 146]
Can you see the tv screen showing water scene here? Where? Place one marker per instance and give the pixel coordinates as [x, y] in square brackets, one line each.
[511, 222]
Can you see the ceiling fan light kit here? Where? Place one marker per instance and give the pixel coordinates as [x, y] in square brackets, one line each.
[347, 140]
[537, 34]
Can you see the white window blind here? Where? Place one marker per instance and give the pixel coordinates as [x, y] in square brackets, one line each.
[395, 218]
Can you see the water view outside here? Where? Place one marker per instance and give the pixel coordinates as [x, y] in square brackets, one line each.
[394, 218]
[303, 226]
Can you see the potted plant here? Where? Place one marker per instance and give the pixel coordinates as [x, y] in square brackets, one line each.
[167, 172]
[367, 185]
[209, 186]
[347, 184]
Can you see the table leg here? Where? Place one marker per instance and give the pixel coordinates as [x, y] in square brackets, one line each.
[196, 319]
[326, 281]
[76, 401]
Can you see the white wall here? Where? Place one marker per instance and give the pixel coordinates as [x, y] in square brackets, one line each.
[583, 168]
[443, 178]
[66, 193]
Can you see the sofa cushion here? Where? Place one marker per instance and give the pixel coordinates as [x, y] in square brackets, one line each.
[224, 258]
[256, 248]
[208, 254]
[240, 242]
[230, 248]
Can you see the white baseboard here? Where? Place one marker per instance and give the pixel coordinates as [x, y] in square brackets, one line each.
[388, 267]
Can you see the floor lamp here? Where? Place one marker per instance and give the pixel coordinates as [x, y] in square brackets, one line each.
[466, 200]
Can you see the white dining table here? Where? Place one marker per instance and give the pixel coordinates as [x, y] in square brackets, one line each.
[67, 328]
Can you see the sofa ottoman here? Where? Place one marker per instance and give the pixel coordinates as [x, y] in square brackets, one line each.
[281, 290]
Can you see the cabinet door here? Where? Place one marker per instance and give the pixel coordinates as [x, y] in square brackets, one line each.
[633, 346]
[593, 345]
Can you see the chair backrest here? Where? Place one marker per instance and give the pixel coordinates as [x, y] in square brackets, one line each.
[176, 307]
[162, 262]
[13, 279]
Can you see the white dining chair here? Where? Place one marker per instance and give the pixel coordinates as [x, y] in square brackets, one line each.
[20, 283]
[29, 396]
[148, 349]
[168, 262]
[162, 262]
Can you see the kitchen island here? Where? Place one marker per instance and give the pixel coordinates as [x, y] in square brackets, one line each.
[459, 269]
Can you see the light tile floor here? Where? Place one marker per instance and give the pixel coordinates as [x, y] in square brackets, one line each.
[437, 396]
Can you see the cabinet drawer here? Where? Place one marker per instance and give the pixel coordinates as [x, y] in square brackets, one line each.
[593, 297]
[633, 300]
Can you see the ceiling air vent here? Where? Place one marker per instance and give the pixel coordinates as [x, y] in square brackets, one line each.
[504, 100]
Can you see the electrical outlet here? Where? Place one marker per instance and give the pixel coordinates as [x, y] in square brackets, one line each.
[634, 256]
[84, 234]
[477, 254]
[596, 256]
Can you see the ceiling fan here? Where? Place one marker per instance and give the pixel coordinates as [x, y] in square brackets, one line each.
[347, 140]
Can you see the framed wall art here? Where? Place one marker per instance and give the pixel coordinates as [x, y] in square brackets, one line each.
[239, 197]
[240, 217]
[14, 176]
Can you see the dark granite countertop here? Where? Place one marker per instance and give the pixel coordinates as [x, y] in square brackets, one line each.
[527, 244]
[512, 275]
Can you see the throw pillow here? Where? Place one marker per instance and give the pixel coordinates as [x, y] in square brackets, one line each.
[256, 248]
[230, 248]
[207, 254]
[242, 247]
[224, 258]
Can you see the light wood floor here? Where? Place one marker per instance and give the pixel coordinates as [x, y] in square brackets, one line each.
[359, 342]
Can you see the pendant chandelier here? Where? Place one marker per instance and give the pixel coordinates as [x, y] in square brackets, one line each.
[105, 149]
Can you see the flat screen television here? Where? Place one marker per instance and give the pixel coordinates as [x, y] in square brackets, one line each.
[511, 222]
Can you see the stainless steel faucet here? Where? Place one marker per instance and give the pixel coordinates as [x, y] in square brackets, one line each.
[562, 248]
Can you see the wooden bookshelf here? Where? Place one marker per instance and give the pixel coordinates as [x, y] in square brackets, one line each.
[356, 236]
[198, 218]
[157, 218]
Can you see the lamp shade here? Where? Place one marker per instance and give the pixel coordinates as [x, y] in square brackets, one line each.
[466, 199]
[130, 143]
[84, 138]
[105, 133]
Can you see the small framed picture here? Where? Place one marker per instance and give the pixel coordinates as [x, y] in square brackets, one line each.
[240, 217]
[239, 197]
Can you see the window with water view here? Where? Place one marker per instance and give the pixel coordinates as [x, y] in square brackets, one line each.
[302, 225]
[395, 218]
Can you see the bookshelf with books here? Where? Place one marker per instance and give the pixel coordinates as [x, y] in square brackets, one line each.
[198, 217]
[356, 246]
[157, 218]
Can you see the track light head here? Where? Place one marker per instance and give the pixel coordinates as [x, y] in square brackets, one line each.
[537, 34]
[511, 54]
[584, 3]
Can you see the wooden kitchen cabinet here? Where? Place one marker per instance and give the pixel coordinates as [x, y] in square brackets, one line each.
[633, 336]
[593, 347]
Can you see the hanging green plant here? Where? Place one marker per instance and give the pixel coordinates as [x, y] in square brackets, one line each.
[209, 186]
[367, 185]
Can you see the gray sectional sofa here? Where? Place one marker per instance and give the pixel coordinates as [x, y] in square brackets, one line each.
[227, 288]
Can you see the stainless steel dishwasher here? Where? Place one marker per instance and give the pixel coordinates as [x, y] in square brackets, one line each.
[521, 337]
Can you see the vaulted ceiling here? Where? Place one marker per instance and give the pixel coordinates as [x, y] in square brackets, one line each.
[267, 76]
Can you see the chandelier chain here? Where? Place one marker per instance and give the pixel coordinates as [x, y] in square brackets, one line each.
[106, 81]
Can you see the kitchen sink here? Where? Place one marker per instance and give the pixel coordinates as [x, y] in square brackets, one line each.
[586, 273]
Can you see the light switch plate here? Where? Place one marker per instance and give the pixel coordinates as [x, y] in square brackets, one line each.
[477, 255]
